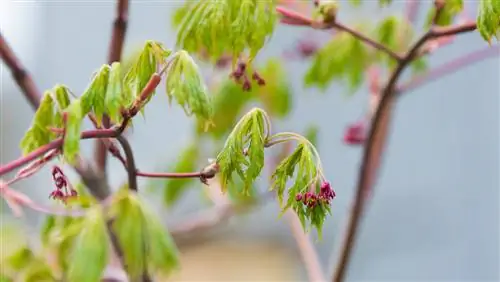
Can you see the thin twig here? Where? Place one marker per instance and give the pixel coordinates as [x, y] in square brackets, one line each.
[295, 18]
[449, 68]
[131, 168]
[375, 145]
[20, 74]
[115, 53]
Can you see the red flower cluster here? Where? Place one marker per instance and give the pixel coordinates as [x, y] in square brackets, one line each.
[64, 190]
[311, 199]
[239, 75]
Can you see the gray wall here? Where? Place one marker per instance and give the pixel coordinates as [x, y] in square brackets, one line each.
[435, 214]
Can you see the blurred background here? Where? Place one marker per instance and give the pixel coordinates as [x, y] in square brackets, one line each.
[434, 215]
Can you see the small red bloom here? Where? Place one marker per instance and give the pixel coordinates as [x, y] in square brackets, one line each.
[355, 134]
[62, 192]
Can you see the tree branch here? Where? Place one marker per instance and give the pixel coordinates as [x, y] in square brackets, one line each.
[131, 168]
[294, 18]
[449, 68]
[20, 75]
[375, 144]
[115, 52]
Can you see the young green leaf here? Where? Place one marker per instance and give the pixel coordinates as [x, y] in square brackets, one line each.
[488, 19]
[71, 146]
[243, 152]
[162, 253]
[146, 244]
[39, 134]
[37, 271]
[205, 26]
[91, 246]
[175, 188]
[396, 33]
[114, 98]
[93, 97]
[448, 13]
[184, 84]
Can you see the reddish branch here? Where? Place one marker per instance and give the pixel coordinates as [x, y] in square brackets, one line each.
[375, 144]
[19, 73]
[293, 18]
[115, 53]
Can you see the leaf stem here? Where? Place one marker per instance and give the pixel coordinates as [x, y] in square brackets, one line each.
[375, 144]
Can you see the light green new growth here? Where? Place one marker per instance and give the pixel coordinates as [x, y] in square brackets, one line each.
[488, 19]
[225, 26]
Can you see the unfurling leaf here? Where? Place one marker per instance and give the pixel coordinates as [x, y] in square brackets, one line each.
[145, 243]
[243, 152]
[39, 134]
[93, 97]
[90, 253]
[225, 26]
[185, 85]
[488, 19]
[71, 146]
[344, 58]
[175, 188]
[114, 98]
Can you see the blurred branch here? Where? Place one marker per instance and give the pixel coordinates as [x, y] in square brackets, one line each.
[375, 144]
[293, 18]
[449, 68]
[20, 74]
[115, 53]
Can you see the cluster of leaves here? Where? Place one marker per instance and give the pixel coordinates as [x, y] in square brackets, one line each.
[345, 58]
[225, 26]
[488, 19]
[111, 91]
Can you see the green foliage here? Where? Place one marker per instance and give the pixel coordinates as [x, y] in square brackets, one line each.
[39, 134]
[91, 246]
[450, 10]
[243, 152]
[153, 54]
[488, 19]
[62, 96]
[71, 145]
[174, 188]
[184, 83]
[344, 59]
[114, 98]
[312, 132]
[92, 98]
[226, 26]
[146, 244]
[395, 32]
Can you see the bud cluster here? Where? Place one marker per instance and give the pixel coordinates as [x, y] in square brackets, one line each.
[311, 200]
[240, 76]
[63, 190]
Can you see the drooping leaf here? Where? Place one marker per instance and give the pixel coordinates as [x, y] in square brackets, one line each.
[39, 134]
[225, 26]
[147, 246]
[90, 253]
[175, 188]
[162, 253]
[488, 19]
[185, 85]
[243, 152]
[71, 146]
[114, 98]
